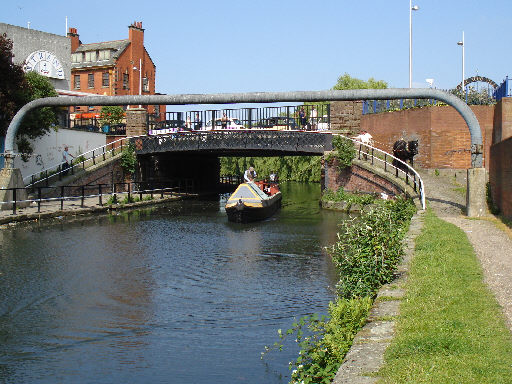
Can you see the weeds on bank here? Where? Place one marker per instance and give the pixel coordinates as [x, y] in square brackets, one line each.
[114, 199]
[350, 198]
[450, 329]
[367, 253]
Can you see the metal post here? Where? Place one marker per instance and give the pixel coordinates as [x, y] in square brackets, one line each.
[385, 163]
[129, 192]
[83, 196]
[62, 198]
[100, 196]
[38, 199]
[14, 201]
[287, 118]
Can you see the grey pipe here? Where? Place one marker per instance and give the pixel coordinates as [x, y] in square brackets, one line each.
[257, 97]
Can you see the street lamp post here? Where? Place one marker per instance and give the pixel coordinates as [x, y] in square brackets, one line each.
[461, 43]
[140, 77]
[411, 8]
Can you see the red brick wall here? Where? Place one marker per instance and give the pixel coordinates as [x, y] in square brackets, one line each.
[443, 136]
[502, 120]
[500, 176]
[356, 179]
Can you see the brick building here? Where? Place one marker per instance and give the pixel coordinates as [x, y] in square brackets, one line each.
[120, 67]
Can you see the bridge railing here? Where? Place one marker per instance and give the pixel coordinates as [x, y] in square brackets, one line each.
[386, 162]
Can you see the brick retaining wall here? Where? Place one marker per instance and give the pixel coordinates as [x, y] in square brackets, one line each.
[500, 176]
[443, 136]
[356, 179]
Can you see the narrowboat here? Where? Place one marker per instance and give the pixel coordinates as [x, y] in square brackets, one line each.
[253, 201]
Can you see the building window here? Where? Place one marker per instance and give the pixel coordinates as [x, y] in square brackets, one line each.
[145, 84]
[77, 57]
[77, 81]
[90, 56]
[105, 81]
[104, 54]
[90, 80]
[126, 80]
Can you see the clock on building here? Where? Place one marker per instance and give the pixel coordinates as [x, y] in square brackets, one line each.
[45, 63]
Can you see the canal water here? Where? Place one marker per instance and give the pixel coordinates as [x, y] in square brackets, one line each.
[174, 294]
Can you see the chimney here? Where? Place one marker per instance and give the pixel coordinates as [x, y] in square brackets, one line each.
[136, 33]
[75, 39]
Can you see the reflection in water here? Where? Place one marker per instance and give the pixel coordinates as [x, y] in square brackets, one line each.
[175, 294]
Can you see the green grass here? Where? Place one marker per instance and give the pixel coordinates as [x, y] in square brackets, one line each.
[450, 329]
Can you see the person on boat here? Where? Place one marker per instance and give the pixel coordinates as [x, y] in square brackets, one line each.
[273, 177]
[250, 175]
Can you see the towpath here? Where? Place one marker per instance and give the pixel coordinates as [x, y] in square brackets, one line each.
[491, 240]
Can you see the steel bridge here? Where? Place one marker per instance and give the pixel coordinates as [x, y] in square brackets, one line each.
[237, 143]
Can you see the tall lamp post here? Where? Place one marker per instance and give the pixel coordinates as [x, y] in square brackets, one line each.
[411, 8]
[461, 43]
[140, 78]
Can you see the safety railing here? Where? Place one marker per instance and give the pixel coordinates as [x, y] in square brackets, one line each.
[139, 189]
[387, 162]
[504, 90]
[81, 161]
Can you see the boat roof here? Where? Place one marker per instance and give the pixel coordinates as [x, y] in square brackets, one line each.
[248, 191]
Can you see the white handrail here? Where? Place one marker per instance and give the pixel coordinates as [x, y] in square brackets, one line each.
[84, 154]
[411, 169]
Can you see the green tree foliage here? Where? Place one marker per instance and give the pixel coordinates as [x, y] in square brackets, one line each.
[111, 114]
[13, 86]
[38, 122]
[289, 168]
[16, 90]
[348, 82]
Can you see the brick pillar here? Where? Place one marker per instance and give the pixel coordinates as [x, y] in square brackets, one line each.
[136, 122]
[346, 116]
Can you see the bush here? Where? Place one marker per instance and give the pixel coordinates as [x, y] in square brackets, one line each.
[128, 158]
[345, 151]
[112, 200]
[327, 339]
[370, 248]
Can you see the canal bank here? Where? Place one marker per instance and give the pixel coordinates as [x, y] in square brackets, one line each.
[492, 243]
[76, 208]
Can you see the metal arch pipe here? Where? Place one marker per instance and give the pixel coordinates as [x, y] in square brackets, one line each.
[256, 97]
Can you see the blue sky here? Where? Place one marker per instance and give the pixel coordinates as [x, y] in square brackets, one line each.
[274, 45]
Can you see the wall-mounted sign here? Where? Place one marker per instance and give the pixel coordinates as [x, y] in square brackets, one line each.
[45, 63]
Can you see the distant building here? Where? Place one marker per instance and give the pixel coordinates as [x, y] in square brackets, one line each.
[43, 52]
[120, 67]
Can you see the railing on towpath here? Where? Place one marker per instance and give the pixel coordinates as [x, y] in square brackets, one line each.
[100, 191]
[385, 161]
[81, 161]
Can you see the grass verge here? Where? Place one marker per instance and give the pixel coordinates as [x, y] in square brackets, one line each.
[451, 329]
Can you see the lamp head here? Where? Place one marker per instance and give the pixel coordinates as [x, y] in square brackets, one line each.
[415, 8]
[460, 43]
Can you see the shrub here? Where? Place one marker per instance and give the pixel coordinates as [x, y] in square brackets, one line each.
[128, 158]
[112, 200]
[324, 341]
[370, 248]
[345, 151]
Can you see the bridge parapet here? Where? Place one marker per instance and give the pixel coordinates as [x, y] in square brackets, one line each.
[263, 142]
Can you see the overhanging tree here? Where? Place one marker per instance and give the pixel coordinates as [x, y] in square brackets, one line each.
[17, 89]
